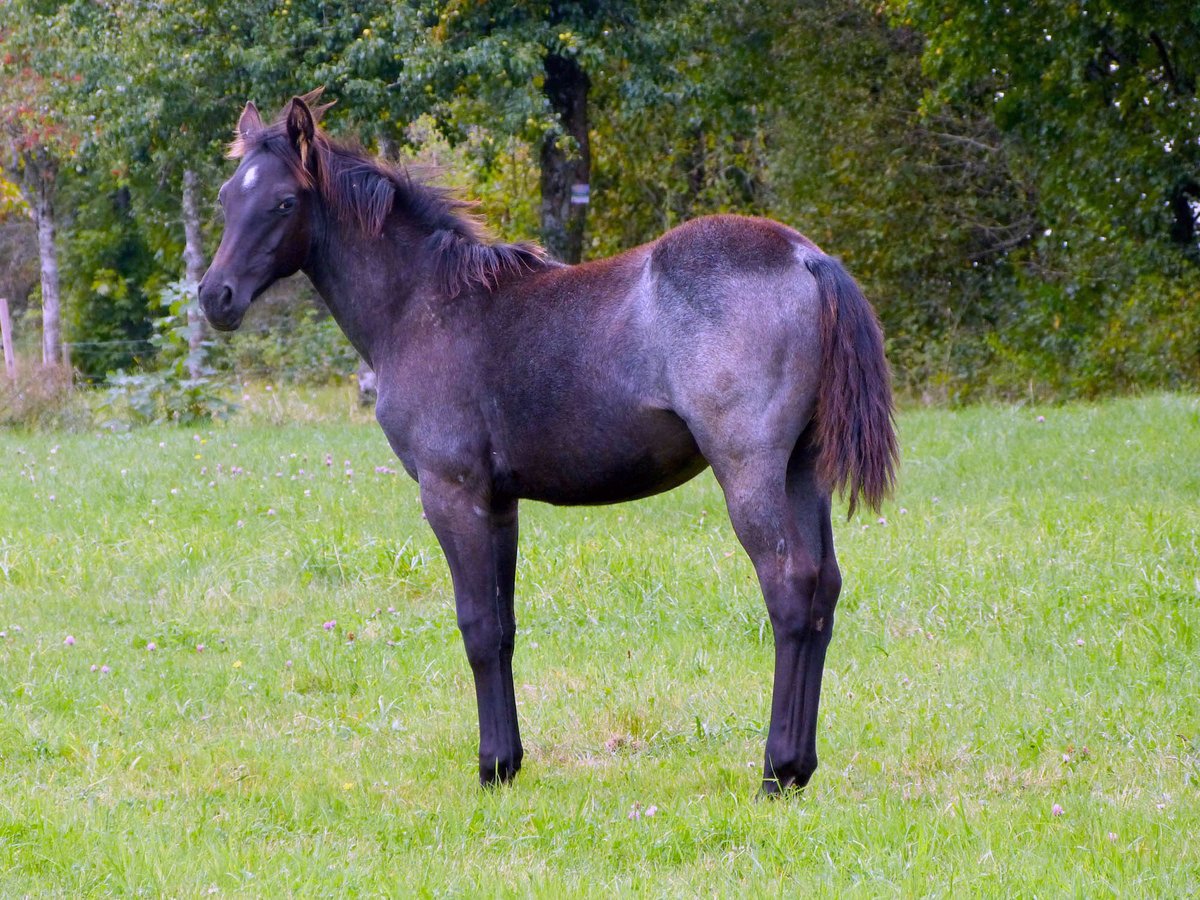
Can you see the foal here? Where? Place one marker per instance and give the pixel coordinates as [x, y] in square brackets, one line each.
[728, 342]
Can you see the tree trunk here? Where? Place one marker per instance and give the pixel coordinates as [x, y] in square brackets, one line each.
[193, 261]
[1185, 207]
[566, 159]
[40, 175]
[10, 359]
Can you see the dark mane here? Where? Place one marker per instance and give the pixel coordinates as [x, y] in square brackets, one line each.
[363, 191]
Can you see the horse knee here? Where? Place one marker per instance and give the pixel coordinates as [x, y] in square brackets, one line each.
[482, 638]
[507, 637]
[790, 594]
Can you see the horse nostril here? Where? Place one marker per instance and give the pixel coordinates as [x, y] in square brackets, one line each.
[226, 298]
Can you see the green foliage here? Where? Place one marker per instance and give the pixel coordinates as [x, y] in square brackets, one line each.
[1103, 93]
[170, 82]
[111, 281]
[18, 260]
[170, 393]
[293, 342]
[654, 171]
[924, 210]
[1106, 330]
[43, 56]
[1015, 185]
[1098, 109]
[482, 64]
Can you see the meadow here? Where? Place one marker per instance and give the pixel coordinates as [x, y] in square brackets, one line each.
[229, 665]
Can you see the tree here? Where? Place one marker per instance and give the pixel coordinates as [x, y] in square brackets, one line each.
[175, 76]
[686, 124]
[927, 209]
[1098, 102]
[526, 69]
[111, 279]
[37, 91]
[1104, 91]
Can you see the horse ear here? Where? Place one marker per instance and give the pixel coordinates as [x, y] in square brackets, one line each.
[301, 127]
[318, 109]
[250, 120]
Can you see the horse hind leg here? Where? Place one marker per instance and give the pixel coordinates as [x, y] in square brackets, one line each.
[807, 628]
[782, 519]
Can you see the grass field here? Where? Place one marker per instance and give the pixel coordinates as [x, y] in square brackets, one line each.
[1011, 706]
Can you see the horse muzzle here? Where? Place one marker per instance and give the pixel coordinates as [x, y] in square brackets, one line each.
[220, 305]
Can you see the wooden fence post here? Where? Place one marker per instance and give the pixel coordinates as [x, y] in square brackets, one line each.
[10, 361]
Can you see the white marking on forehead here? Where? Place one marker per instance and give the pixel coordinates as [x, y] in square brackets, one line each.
[249, 178]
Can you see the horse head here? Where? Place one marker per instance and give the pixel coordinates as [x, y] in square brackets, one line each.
[269, 206]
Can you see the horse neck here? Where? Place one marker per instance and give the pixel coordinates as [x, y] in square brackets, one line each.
[366, 281]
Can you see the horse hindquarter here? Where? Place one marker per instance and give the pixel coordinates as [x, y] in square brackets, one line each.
[751, 385]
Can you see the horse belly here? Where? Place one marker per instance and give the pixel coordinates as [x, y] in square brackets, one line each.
[602, 461]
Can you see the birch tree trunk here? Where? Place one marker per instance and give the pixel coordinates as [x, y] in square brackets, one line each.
[193, 261]
[40, 174]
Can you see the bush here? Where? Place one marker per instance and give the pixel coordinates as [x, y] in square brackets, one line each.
[41, 397]
[111, 281]
[171, 393]
[290, 339]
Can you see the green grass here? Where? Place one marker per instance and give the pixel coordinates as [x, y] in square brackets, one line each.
[1022, 632]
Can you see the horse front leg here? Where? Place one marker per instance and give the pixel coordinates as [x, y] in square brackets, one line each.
[504, 560]
[480, 543]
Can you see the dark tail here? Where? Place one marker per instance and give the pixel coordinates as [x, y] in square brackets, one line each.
[855, 425]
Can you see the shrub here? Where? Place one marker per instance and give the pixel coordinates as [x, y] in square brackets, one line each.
[288, 338]
[41, 397]
[171, 393]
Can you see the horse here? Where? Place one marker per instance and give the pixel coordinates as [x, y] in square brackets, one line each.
[503, 375]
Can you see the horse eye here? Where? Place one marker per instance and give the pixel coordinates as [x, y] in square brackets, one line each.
[286, 203]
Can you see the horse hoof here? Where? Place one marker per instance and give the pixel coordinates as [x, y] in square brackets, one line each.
[773, 790]
[498, 771]
[787, 778]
